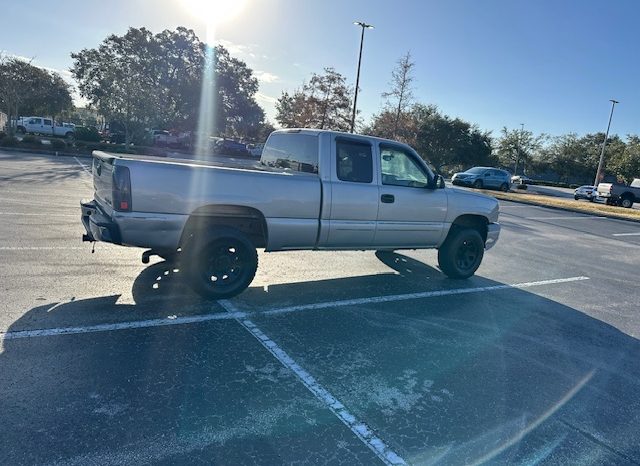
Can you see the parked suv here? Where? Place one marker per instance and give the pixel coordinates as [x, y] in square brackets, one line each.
[483, 177]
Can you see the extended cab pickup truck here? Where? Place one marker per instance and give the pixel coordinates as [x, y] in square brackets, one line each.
[620, 194]
[312, 189]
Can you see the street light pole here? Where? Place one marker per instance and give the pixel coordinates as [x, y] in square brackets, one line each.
[364, 26]
[604, 144]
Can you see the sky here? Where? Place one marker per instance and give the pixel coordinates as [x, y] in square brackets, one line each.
[550, 65]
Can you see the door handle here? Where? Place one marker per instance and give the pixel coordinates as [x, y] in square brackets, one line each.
[388, 198]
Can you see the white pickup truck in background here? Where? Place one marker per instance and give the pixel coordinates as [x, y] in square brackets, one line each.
[45, 126]
[311, 190]
[624, 195]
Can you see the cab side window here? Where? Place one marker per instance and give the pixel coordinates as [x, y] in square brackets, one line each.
[354, 161]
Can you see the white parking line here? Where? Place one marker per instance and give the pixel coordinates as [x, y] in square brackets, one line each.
[426, 294]
[627, 234]
[564, 218]
[84, 167]
[47, 332]
[209, 317]
[359, 428]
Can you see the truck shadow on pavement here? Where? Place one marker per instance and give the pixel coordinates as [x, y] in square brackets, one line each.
[509, 376]
[64, 168]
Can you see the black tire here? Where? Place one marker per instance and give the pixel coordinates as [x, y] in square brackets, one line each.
[477, 184]
[626, 202]
[576, 198]
[462, 252]
[221, 266]
[69, 135]
[504, 187]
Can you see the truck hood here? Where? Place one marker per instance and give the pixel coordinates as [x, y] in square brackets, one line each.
[461, 202]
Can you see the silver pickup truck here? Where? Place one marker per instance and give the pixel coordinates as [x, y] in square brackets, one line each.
[311, 190]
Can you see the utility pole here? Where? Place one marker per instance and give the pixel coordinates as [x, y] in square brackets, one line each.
[604, 144]
[364, 26]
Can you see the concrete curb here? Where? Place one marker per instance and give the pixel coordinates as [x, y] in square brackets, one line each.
[566, 209]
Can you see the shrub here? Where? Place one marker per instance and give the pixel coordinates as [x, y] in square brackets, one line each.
[9, 141]
[58, 144]
[87, 133]
[31, 139]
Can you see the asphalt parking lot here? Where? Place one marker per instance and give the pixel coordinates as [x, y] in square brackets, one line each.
[329, 357]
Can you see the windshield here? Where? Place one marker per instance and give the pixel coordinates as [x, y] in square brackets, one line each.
[476, 171]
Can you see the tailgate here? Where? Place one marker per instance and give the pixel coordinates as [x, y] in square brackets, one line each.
[103, 178]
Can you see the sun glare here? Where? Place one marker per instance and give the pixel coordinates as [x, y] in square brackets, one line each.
[214, 12]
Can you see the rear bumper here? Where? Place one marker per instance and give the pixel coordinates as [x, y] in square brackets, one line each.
[493, 233]
[98, 226]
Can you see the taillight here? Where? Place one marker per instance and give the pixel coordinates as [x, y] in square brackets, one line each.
[121, 189]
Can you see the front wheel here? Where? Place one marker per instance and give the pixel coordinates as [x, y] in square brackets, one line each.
[223, 266]
[504, 187]
[626, 202]
[461, 254]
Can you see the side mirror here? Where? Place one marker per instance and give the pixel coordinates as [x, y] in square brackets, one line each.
[436, 183]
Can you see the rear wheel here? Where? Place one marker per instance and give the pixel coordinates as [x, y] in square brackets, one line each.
[477, 184]
[461, 254]
[626, 202]
[223, 265]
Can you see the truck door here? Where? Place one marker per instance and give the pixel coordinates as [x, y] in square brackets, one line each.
[34, 125]
[354, 194]
[47, 127]
[410, 214]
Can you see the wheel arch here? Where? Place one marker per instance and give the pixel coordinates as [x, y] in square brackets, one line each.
[248, 220]
[475, 221]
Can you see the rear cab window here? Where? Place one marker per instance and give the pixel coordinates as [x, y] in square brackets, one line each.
[293, 151]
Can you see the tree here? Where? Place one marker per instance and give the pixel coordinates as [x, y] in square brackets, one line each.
[518, 147]
[324, 102]
[400, 97]
[439, 139]
[146, 80]
[623, 160]
[26, 89]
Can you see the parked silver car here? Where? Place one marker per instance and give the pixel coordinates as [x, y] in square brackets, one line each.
[586, 192]
[483, 177]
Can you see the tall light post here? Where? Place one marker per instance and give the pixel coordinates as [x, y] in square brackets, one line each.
[364, 26]
[604, 144]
